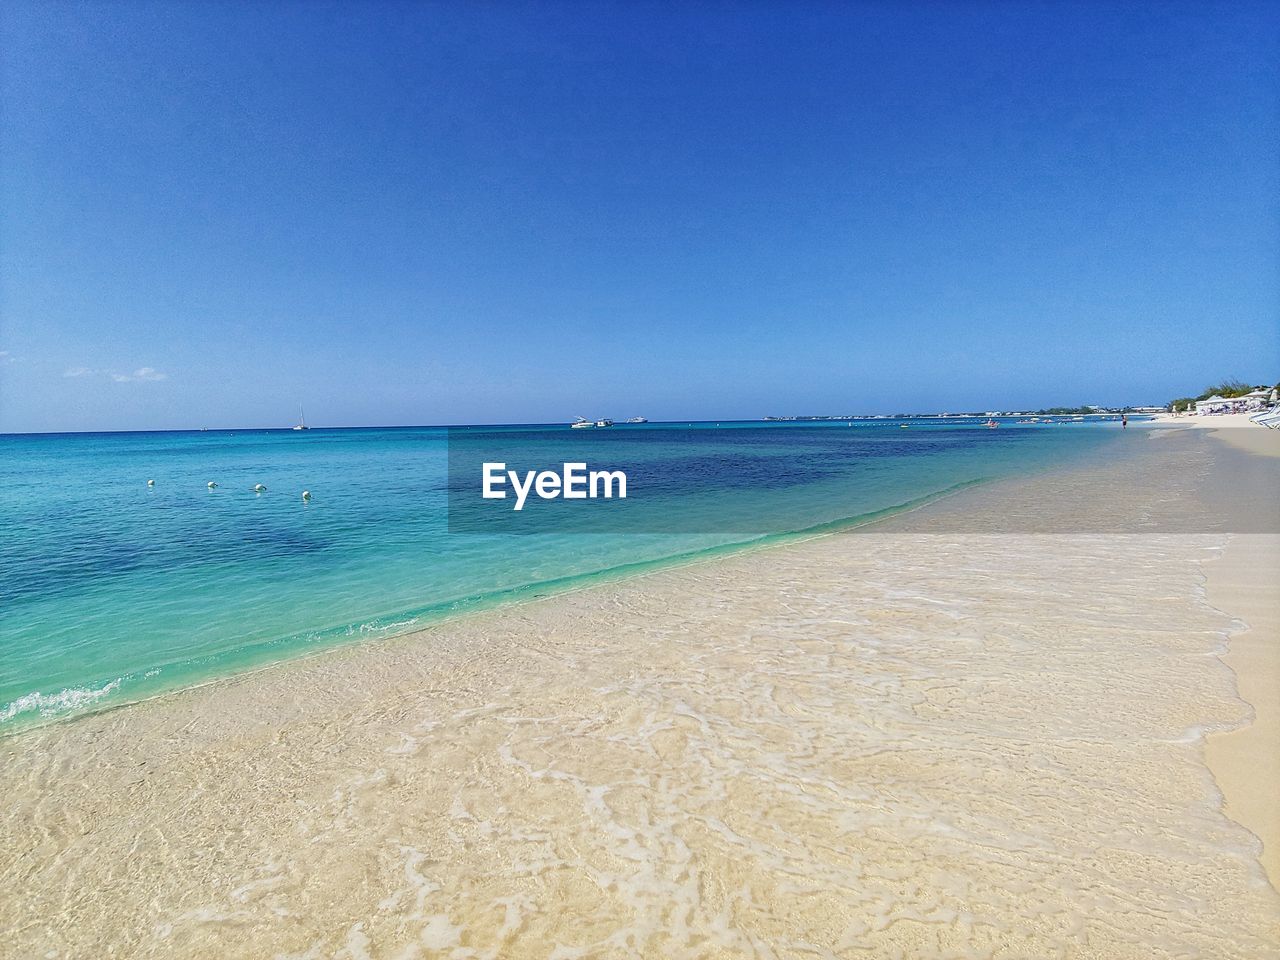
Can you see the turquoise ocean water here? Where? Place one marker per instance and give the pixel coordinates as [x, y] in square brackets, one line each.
[112, 591]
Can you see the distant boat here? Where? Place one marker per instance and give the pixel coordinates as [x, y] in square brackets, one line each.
[302, 420]
[992, 424]
[637, 420]
[581, 423]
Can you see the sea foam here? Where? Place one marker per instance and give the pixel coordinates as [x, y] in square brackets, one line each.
[53, 704]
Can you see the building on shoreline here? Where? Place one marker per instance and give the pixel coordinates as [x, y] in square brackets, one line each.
[1249, 403]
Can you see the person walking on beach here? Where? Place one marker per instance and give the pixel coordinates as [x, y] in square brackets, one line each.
[1124, 421]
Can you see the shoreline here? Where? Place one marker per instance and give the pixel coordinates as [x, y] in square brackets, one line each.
[441, 615]
[1245, 583]
[800, 724]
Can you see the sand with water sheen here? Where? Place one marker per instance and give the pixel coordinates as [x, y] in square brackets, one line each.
[876, 744]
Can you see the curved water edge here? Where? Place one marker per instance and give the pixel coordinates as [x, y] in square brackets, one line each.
[38, 709]
[1238, 582]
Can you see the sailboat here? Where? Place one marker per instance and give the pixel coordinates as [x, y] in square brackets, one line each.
[302, 420]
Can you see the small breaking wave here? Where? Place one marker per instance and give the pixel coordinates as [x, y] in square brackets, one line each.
[56, 704]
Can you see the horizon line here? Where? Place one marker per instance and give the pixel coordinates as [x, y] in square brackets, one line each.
[769, 418]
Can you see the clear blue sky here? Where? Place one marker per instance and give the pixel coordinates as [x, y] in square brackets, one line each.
[430, 213]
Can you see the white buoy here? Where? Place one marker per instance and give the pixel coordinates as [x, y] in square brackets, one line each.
[259, 488]
[151, 483]
[212, 484]
[306, 495]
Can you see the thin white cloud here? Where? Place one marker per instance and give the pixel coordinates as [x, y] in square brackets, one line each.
[142, 373]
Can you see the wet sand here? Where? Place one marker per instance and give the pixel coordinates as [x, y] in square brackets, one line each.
[976, 730]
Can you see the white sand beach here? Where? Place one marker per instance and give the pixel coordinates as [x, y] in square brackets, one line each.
[928, 738]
